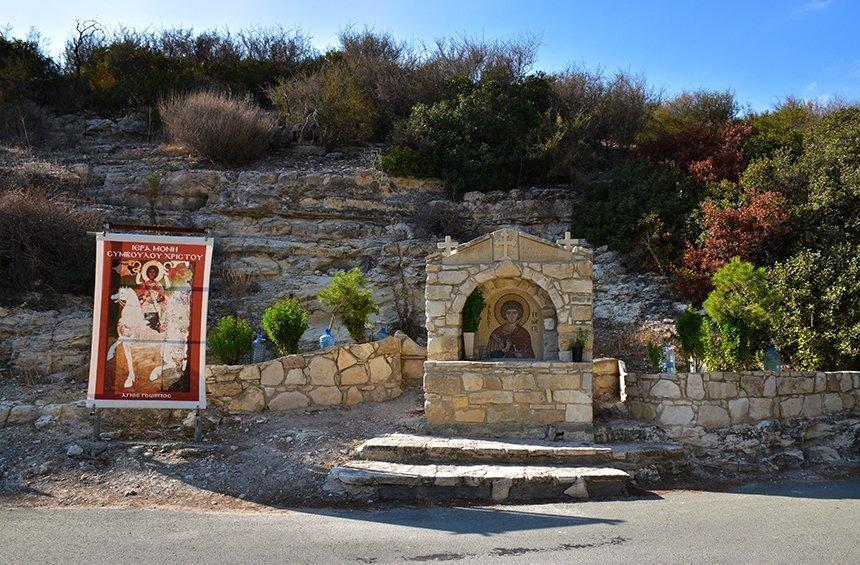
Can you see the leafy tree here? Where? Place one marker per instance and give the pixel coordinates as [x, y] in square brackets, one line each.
[742, 307]
[347, 296]
[781, 129]
[819, 310]
[284, 323]
[747, 231]
[231, 340]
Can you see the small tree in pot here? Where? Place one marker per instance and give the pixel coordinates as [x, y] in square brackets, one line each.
[472, 310]
[284, 323]
[347, 296]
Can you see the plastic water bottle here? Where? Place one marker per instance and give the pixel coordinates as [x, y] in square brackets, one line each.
[772, 360]
[669, 358]
[327, 340]
[381, 334]
[259, 349]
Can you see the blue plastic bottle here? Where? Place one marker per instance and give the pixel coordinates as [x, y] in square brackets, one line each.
[381, 334]
[327, 340]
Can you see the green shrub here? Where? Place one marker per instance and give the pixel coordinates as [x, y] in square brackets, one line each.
[742, 307]
[688, 331]
[655, 355]
[640, 204]
[284, 323]
[472, 310]
[328, 107]
[485, 135]
[819, 310]
[231, 340]
[347, 297]
[227, 130]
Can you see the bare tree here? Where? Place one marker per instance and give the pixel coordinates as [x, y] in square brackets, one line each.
[79, 47]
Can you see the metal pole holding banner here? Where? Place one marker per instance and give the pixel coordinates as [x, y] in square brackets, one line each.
[96, 422]
[198, 427]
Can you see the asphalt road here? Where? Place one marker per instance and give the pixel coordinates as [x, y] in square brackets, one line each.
[775, 523]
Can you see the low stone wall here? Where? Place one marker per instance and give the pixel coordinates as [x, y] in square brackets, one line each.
[719, 400]
[607, 388]
[487, 397]
[343, 375]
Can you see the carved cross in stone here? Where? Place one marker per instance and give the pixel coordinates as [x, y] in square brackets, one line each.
[447, 245]
[506, 239]
[567, 242]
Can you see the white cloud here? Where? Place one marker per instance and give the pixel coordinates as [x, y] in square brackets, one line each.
[813, 6]
[812, 86]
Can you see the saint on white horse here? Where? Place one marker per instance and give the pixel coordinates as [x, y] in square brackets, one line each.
[131, 327]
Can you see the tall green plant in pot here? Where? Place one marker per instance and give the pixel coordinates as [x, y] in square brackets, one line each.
[348, 297]
[472, 310]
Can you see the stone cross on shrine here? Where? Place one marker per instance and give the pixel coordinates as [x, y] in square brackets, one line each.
[567, 242]
[447, 245]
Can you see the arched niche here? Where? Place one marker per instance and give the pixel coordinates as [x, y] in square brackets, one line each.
[500, 338]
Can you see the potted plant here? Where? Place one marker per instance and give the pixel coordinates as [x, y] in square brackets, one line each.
[472, 310]
[579, 345]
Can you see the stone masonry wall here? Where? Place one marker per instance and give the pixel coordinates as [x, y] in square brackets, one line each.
[719, 400]
[488, 396]
[343, 375]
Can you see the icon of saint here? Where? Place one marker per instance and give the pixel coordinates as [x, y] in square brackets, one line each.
[511, 340]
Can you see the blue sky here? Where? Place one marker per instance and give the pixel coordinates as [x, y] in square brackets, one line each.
[763, 50]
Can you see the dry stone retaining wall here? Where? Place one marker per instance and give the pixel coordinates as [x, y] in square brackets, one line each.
[720, 400]
[490, 396]
[344, 375]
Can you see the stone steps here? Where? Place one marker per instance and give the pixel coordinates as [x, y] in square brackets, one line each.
[403, 482]
[409, 448]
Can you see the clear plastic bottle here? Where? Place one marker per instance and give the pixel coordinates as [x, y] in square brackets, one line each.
[668, 358]
[258, 354]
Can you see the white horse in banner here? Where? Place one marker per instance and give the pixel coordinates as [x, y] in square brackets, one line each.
[174, 347]
[131, 328]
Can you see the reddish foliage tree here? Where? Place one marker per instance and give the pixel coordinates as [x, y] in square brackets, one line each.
[745, 231]
[706, 153]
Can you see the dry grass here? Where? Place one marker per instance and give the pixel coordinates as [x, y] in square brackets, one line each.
[20, 169]
[44, 244]
[228, 130]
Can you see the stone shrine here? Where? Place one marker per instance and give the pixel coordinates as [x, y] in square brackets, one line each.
[538, 303]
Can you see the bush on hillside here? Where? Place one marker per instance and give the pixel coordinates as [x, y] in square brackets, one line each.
[129, 68]
[230, 341]
[284, 323]
[639, 203]
[328, 107]
[614, 109]
[485, 135]
[44, 244]
[228, 130]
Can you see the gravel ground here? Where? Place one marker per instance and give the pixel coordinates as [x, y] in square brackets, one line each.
[147, 458]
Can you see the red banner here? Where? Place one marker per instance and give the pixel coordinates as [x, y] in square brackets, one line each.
[149, 321]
